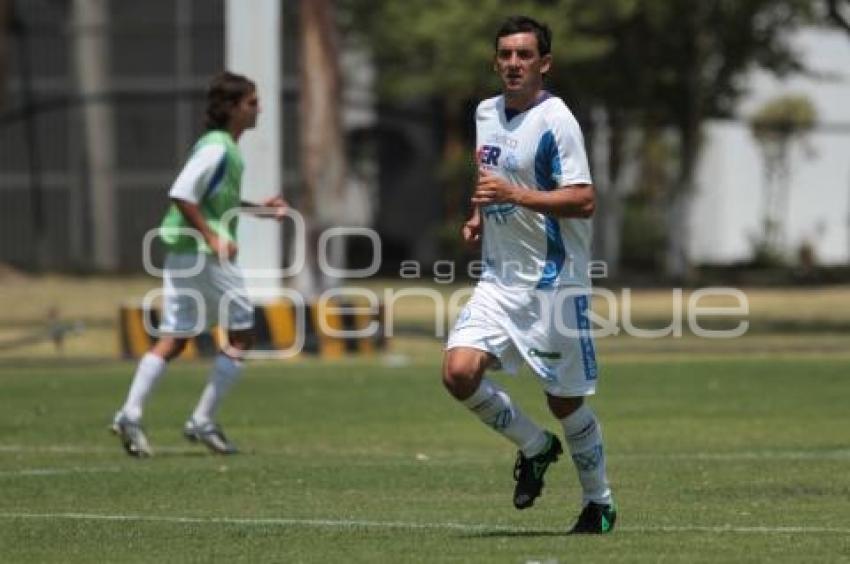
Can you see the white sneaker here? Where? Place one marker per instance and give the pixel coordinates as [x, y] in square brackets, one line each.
[132, 436]
[209, 433]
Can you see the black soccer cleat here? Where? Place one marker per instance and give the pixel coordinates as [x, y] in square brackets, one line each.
[528, 472]
[595, 519]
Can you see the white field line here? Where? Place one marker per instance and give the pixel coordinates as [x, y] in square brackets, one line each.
[836, 454]
[59, 471]
[76, 449]
[449, 526]
[841, 454]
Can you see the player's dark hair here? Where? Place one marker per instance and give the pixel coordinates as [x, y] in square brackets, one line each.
[225, 91]
[524, 24]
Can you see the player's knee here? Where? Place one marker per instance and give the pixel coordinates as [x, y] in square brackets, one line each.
[456, 370]
[461, 374]
[169, 348]
[563, 406]
[242, 340]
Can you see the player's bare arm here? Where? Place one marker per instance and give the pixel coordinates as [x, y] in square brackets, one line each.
[195, 218]
[575, 200]
[276, 203]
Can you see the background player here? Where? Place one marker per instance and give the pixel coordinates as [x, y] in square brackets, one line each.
[204, 192]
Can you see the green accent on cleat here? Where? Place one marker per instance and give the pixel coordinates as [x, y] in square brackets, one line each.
[595, 519]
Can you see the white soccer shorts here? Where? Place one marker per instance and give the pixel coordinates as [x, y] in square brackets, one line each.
[547, 329]
[193, 302]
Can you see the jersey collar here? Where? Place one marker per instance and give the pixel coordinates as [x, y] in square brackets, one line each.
[511, 113]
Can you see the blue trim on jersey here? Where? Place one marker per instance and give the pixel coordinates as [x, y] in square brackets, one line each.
[218, 175]
[588, 354]
[510, 113]
[555, 254]
[547, 165]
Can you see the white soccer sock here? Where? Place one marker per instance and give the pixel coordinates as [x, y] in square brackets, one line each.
[148, 372]
[584, 438]
[494, 407]
[224, 374]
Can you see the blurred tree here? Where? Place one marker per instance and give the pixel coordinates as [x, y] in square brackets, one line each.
[678, 62]
[838, 13]
[777, 126]
[442, 51]
[323, 157]
[649, 63]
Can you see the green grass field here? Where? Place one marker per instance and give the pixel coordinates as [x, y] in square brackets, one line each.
[730, 458]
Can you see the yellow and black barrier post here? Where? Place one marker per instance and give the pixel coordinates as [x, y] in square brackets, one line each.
[331, 329]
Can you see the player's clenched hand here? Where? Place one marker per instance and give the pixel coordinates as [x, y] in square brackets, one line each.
[471, 231]
[279, 205]
[492, 189]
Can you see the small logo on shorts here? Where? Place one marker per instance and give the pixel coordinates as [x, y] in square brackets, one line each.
[544, 354]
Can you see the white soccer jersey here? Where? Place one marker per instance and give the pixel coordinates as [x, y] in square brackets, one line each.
[539, 149]
[203, 166]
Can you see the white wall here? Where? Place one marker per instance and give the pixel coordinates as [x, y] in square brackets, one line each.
[727, 210]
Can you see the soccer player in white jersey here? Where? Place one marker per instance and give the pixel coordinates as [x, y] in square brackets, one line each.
[532, 203]
[200, 233]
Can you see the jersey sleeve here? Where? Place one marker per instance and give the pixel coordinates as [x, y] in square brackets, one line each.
[570, 158]
[202, 173]
[478, 118]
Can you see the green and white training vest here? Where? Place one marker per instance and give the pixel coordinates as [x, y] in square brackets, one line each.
[222, 194]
